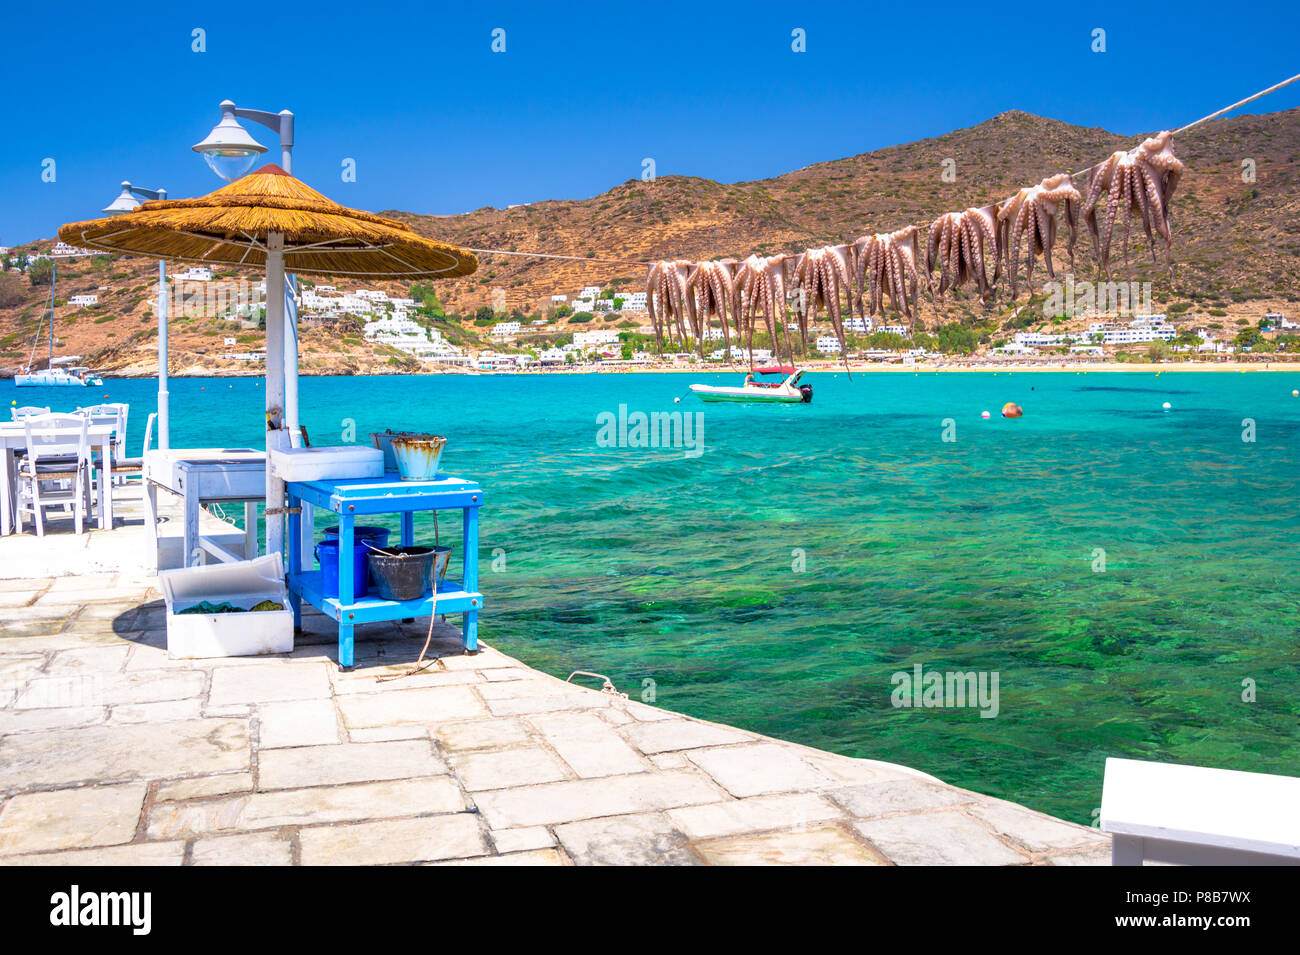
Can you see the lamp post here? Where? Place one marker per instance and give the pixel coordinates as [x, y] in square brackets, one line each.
[230, 152]
[127, 202]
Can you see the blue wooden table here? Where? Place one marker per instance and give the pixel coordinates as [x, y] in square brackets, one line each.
[360, 497]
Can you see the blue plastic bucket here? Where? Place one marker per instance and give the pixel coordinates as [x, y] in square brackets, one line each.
[327, 555]
[374, 536]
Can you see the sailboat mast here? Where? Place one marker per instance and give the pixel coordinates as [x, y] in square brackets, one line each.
[54, 274]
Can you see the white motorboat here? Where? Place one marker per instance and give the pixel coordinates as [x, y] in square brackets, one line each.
[787, 390]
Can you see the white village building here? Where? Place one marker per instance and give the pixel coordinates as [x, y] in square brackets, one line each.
[408, 336]
[1144, 328]
[601, 336]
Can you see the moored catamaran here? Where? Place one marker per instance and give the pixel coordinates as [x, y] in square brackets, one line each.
[58, 372]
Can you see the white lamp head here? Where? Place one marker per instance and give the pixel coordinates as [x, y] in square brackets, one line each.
[123, 203]
[229, 150]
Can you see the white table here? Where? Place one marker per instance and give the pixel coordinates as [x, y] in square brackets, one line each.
[205, 476]
[1194, 815]
[13, 437]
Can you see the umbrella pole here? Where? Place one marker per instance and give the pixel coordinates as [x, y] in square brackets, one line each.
[306, 528]
[164, 418]
[276, 436]
[291, 360]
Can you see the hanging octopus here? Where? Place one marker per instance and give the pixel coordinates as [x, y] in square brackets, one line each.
[821, 276]
[887, 262]
[1032, 212]
[961, 243]
[667, 280]
[1141, 180]
[760, 285]
[712, 285]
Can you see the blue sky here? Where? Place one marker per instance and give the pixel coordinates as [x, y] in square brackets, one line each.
[438, 123]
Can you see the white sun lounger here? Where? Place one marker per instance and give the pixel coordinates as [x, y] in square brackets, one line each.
[1193, 815]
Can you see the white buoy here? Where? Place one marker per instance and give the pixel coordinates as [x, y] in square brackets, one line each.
[677, 401]
[985, 414]
[1166, 406]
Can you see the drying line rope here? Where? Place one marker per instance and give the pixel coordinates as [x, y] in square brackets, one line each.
[571, 258]
[1228, 109]
[582, 258]
[1182, 129]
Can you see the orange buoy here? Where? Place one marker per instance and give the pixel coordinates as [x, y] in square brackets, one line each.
[1012, 410]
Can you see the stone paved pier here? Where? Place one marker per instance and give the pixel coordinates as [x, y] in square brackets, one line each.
[113, 754]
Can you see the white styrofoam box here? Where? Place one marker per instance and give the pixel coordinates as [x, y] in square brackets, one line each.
[316, 464]
[243, 583]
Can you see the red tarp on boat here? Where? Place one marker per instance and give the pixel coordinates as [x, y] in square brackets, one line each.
[775, 370]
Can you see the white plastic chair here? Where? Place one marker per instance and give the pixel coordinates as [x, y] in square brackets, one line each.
[23, 412]
[115, 414]
[119, 410]
[147, 490]
[58, 451]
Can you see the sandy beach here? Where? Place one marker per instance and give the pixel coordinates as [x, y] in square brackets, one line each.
[610, 368]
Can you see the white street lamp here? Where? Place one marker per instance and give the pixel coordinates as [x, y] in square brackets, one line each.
[230, 152]
[127, 202]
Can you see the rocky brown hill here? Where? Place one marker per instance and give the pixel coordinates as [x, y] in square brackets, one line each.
[1236, 251]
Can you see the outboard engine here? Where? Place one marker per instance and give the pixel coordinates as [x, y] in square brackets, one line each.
[806, 391]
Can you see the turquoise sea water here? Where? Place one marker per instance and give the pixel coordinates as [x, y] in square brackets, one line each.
[977, 554]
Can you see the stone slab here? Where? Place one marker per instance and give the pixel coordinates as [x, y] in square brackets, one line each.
[421, 839]
[591, 798]
[108, 753]
[662, 736]
[756, 768]
[133, 854]
[421, 706]
[640, 839]
[819, 847]
[306, 807]
[244, 849]
[755, 814]
[297, 723]
[589, 745]
[1033, 830]
[304, 766]
[897, 795]
[532, 858]
[200, 786]
[70, 818]
[480, 770]
[268, 683]
[480, 734]
[946, 837]
[522, 840]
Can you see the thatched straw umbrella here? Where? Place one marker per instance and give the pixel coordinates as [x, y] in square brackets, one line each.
[268, 219]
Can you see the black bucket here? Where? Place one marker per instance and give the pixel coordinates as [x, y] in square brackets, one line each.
[402, 573]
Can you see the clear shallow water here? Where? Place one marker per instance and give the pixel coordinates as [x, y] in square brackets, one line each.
[976, 554]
